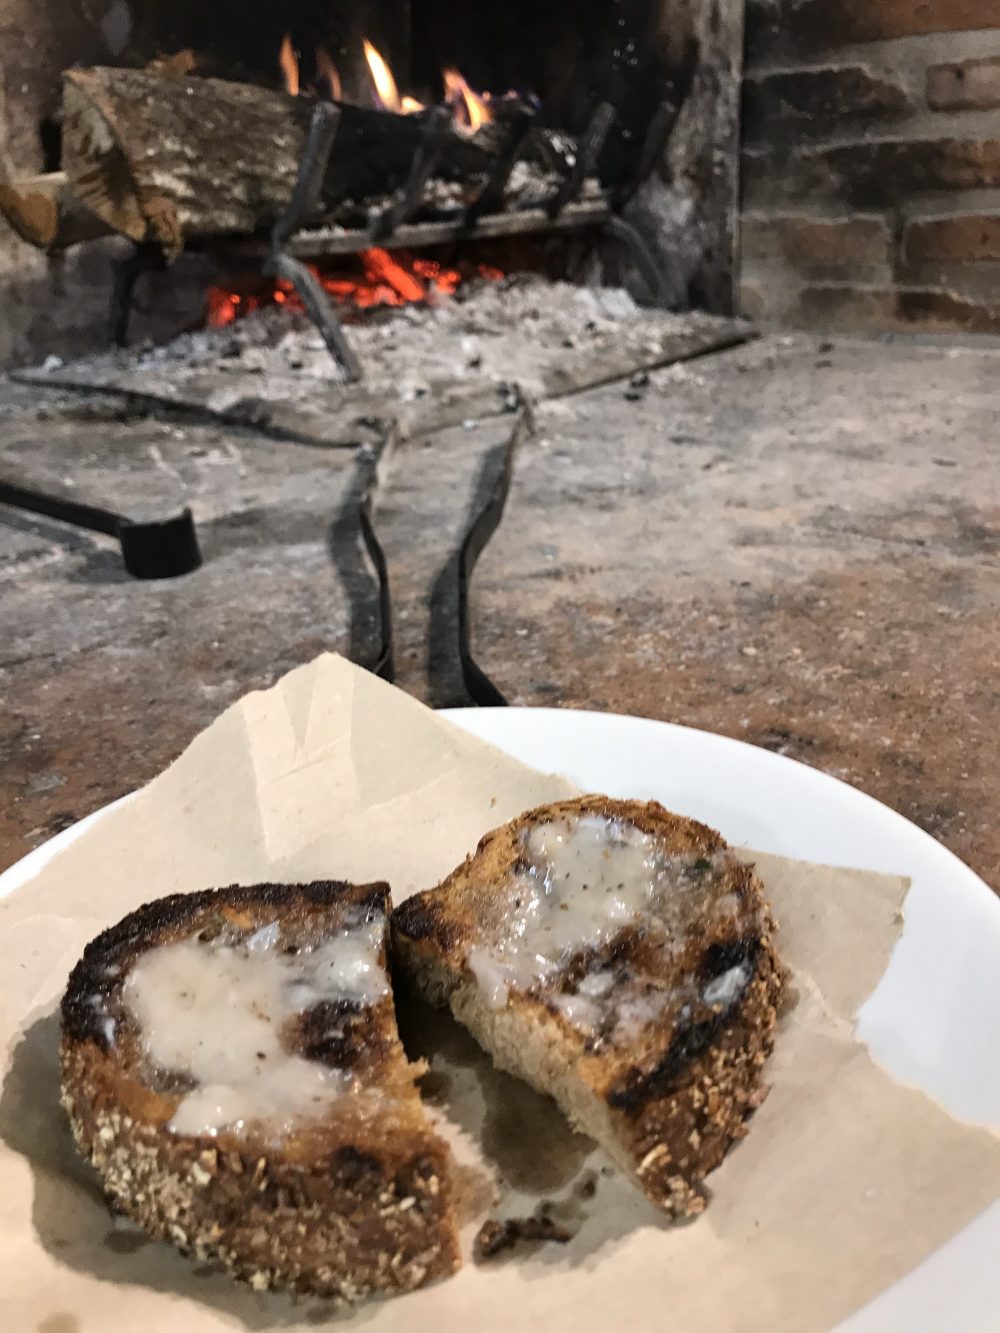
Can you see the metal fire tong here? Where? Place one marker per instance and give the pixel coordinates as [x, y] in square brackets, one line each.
[165, 544]
[159, 547]
[480, 688]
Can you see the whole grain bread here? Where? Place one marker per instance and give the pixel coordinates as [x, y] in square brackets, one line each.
[679, 1009]
[353, 1202]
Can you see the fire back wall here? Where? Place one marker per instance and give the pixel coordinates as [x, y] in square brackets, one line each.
[871, 164]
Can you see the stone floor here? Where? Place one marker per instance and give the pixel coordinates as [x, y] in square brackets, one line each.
[794, 542]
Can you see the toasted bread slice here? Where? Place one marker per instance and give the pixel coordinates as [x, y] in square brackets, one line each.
[619, 958]
[231, 1067]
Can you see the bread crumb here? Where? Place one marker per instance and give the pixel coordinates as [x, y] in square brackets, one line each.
[495, 1236]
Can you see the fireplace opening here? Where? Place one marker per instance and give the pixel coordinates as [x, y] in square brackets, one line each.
[363, 155]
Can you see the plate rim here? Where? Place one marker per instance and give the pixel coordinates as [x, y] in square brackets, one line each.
[761, 754]
[26, 867]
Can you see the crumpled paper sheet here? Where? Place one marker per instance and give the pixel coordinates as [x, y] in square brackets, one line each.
[845, 1182]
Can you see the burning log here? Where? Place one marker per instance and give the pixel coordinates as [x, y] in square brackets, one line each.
[162, 157]
[44, 211]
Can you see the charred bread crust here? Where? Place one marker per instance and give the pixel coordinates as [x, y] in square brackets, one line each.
[107, 959]
[354, 1204]
[672, 1104]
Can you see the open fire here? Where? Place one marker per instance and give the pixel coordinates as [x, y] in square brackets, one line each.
[378, 277]
[380, 143]
[386, 93]
[469, 109]
[420, 160]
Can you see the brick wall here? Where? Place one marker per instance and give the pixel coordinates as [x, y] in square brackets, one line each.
[871, 164]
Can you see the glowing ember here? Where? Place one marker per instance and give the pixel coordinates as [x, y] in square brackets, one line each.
[381, 267]
[288, 61]
[386, 280]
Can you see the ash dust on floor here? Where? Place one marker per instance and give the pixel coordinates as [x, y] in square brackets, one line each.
[793, 550]
[788, 543]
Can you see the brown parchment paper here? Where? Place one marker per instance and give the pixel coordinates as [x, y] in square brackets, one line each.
[845, 1182]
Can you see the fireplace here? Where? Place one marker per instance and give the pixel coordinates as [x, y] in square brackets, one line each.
[177, 165]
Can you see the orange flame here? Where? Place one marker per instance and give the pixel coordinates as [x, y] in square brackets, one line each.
[470, 109]
[386, 92]
[385, 85]
[289, 65]
[328, 72]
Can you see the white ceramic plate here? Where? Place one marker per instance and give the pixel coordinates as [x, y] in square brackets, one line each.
[934, 1019]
